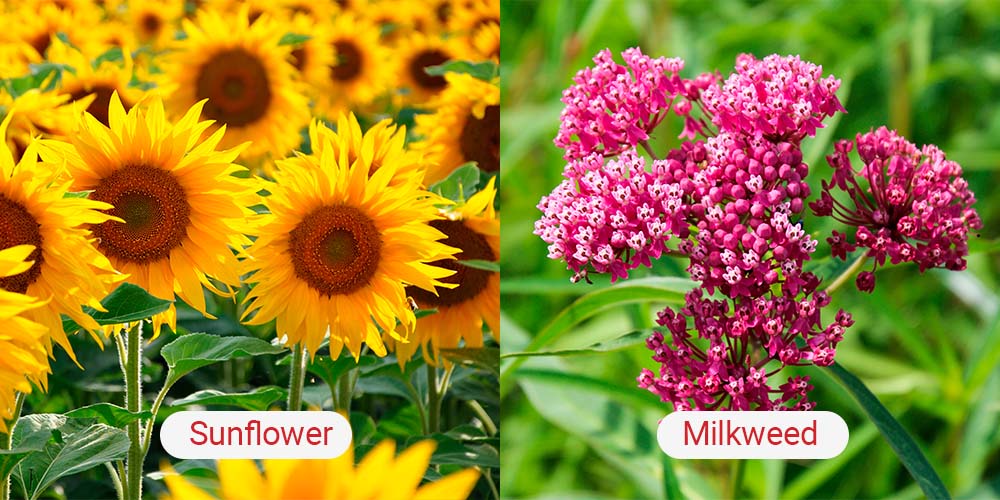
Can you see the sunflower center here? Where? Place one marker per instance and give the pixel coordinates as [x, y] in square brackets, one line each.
[424, 60]
[335, 249]
[41, 43]
[299, 54]
[236, 85]
[471, 281]
[18, 227]
[102, 99]
[154, 207]
[443, 12]
[349, 65]
[480, 139]
[151, 24]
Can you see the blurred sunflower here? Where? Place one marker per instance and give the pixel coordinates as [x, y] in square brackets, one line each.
[382, 143]
[465, 127]
[155, 21]
[469, 16]
[182, 211]
[35, 113]
[486, 42]
[397, 18]
[92, 86]
[417, 52]
[36, 24]
[333, 479]
[337, 247]
[317, 10]
[363, 68]
[25, 359]
[313, 57]
[245, 75]
[116, 33]
[68, 272]
[474, 229]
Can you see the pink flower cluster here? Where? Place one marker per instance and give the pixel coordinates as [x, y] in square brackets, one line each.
[612, 216]
[613, 107]
[911, 205]
[730, 373]
[781, 98]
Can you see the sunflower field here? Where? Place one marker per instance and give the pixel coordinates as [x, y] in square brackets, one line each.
[264, 205]
[750, 205]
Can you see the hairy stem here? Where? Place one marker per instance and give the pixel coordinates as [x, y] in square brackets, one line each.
[297, 379]
[133, 403]
[115, 480]
[7, 440]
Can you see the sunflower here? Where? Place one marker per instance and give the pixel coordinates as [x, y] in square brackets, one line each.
[363, 69]
[474, 229]
[333, 479]
[417, 52]
[313, 57]
[155, 22]
[382, 143]
[36, 113]
[245, 75]
[337, 248]
[317, 10]
[485, 43]
[68, 271]
[93, 86]
[182, 211]
[469, 16]
[35, 26]
[25, 360]
[465, 127]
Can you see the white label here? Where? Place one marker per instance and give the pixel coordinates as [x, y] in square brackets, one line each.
[752, 434]
[255, 434]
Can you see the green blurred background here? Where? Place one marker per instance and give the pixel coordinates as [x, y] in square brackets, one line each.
[577, 427]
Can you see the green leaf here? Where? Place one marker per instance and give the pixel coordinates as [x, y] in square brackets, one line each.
[10, 458]
[485, 265]
[362, 427]
[460, 184]
[452, 451]
[71, 445]
[114, 54]
[109, 414]
[905, 447]
[487, 358]
[645, 290]
[293, 39]
[330, 370]
[630, 339]
[259, 399]
[126, 304]
[485, 71]
[195, 350]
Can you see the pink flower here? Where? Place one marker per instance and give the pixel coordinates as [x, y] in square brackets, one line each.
[907, 204]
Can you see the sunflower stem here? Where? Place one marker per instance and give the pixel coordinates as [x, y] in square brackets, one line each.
[148, 433]
[345, 392]
[7, 440]
[133, 403]
[488, 425]
[847, 274]
[115, 480]
[297, 378]
[435, 394]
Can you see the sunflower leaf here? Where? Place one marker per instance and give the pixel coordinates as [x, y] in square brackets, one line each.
[293, 39]
[195, 350]
[107, 413]
[259, 399]
[114, 54]
[128, 303]
[487, 358]
[485, 265]
[460, 184]
[485, 71]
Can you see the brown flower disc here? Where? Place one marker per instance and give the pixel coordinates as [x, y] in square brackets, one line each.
[424, 60]
[349, 65]
[102, 99]
[480, 140]
[151, 24]
[18, 227]
[471, 281]
[335, 249]
[237, 87]
[154, 207]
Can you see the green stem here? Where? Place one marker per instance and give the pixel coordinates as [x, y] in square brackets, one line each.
[116, 481]
[435, 394]
[493, 486]
[133, 403]
[847, 274]
[419, 403]
[736, 480]
[148, 434]
[488, 425]
[7, 440]
[297, 379]
[345, 392]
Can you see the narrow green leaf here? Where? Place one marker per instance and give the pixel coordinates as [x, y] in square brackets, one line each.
[485, 71]
[643, 290]
[452, 451]
[195, 350]
[671, 487]
[485, 265]
[109, 414]
[460, 184]
[330, 370]
[126, 304]
[901, 442]
[630, 339]
[487, 358]
[71, 445]
[293, 39]
[114, 54]
[259, 399]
